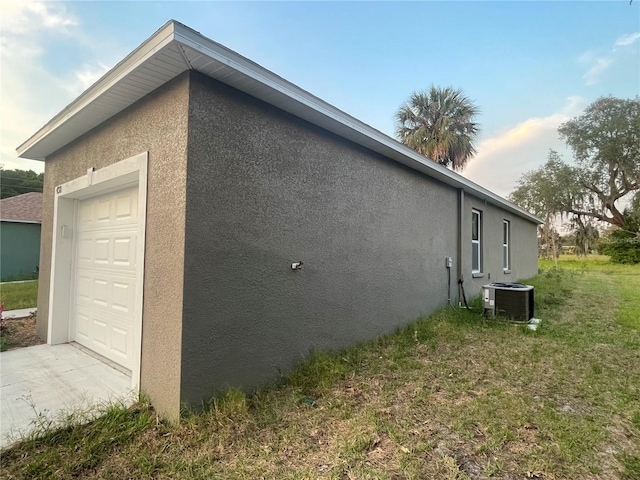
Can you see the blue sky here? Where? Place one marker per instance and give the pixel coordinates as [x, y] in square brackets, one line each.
[529, 66]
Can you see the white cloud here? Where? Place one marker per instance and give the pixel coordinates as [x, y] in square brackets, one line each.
[504, 156]
[628, 39]
[87, 75]
[600, 65]
[21, 17]
[31, 92]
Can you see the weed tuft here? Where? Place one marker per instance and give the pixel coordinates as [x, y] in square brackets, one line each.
[631, 465]
[70, 447]
[322, 370]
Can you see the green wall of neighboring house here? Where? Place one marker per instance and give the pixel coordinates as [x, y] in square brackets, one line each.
[19, 249]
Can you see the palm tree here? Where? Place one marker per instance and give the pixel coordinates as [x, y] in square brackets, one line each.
[439, 125]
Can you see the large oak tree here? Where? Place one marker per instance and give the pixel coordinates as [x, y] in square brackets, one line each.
[546, 192]
[605, 141]
[606, 144]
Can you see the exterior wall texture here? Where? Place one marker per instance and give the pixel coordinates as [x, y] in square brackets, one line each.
[157, 124]
[20, 249]
[237, 191]
[265, 189]
[523, 246]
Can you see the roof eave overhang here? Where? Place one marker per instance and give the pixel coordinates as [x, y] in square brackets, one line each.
[53, 135]
[13, 220]
[175, 48]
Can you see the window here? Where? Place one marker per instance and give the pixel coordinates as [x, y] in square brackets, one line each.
[476, 235]
[506, 240]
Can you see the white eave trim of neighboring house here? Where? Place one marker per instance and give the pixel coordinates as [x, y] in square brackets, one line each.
[144, 70]
[19, 221]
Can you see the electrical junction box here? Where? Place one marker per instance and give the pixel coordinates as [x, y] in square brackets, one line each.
[511, 300]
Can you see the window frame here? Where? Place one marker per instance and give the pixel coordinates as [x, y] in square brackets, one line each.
[506, 245]
[477, 241]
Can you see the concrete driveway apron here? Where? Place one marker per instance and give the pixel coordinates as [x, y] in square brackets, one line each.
[47, 382]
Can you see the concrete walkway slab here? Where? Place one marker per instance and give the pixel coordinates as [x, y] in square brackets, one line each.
[50, 381]
[20, 313]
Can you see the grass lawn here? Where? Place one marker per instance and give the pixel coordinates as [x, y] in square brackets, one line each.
[452, 396]
[19, 295]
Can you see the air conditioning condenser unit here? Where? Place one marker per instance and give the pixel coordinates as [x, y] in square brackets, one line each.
[511, 300]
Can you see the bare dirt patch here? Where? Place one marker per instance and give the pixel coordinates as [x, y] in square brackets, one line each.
[19, 333]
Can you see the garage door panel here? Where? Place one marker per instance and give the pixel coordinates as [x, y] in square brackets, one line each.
[106, 335]
[115, 250]
[101, 251]
[104, 316]
[120, 341]
[100, 292]
[84, 250]
[85, 214]
[114, 209]
[99, 332]
[102, 211]
[82, 325]
[124, 251]
[123, 296]
[104, 297]
[126, 208]
[83, 288]
[106, 291]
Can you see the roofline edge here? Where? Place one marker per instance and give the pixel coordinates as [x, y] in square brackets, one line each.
[184, 35]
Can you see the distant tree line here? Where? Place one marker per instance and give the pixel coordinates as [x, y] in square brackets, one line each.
[17, 182]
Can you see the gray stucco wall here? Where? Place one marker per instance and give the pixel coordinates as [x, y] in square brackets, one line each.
[524, 246]
[157, 124]
[260, 190]
[265, 189]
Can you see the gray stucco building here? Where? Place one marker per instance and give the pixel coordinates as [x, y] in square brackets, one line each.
[183, 185]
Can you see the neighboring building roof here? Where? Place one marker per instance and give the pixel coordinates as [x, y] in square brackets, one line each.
[175, 48]
[25, 208]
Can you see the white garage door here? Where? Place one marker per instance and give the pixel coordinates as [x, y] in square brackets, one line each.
[104, 296]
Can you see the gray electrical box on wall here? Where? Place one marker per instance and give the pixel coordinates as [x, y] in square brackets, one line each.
[511, 300]
[449, 262]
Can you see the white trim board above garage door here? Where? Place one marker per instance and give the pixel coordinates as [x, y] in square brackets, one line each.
[107, 209]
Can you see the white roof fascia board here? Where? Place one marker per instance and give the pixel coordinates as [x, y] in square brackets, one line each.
[156, 42]
[239, 63]
[19, 221]
[264, 84]
[265, 77]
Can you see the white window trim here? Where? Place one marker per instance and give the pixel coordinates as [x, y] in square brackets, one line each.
[478, 241]
[506, 247]
[128, 172]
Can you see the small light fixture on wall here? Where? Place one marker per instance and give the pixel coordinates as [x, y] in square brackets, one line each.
[296, 266]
